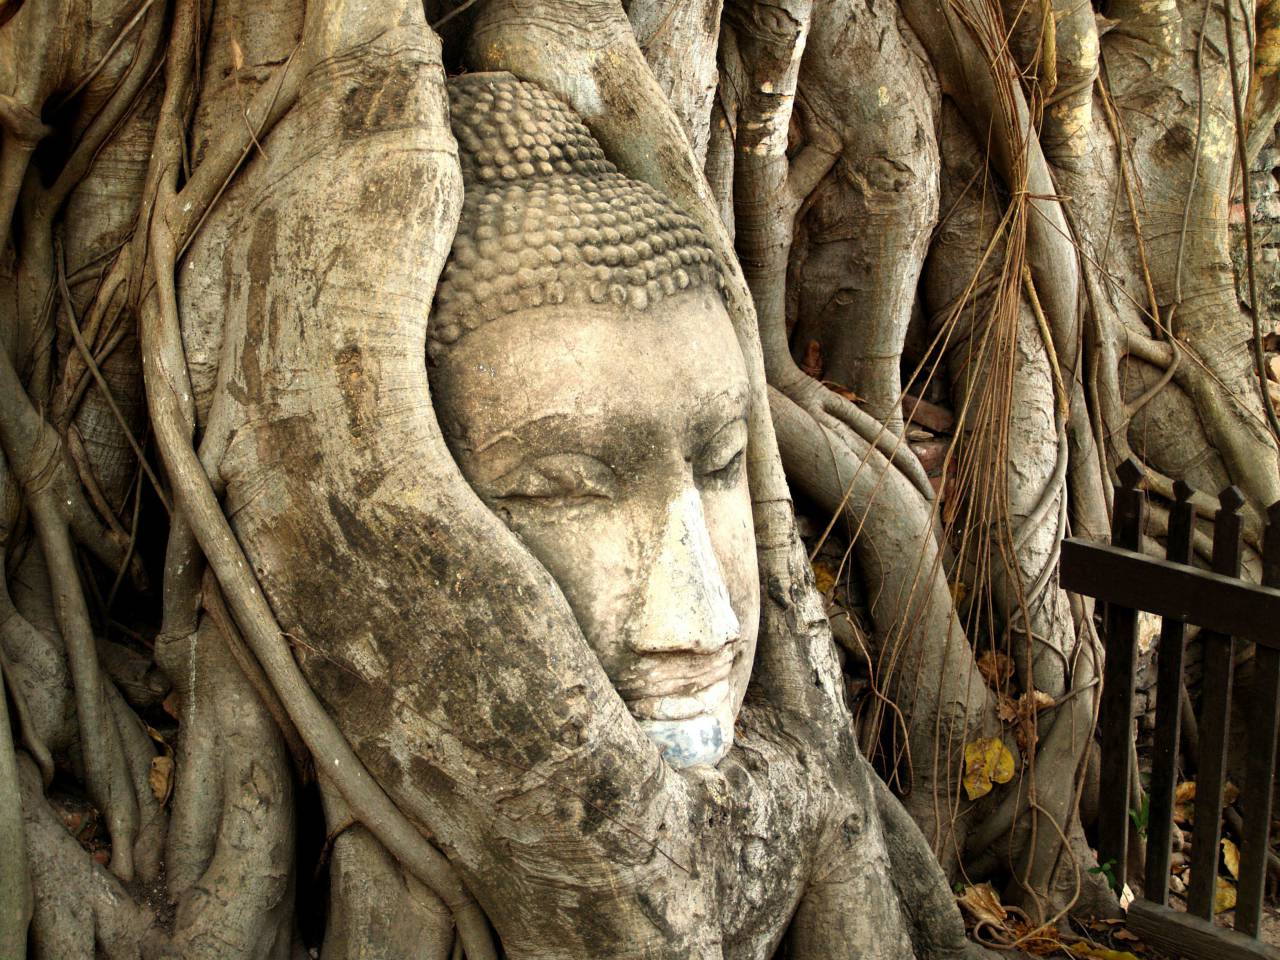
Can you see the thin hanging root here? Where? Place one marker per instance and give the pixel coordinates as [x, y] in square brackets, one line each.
[31, 448]
[31, 740]
[221, 617]
[15, 882]
[72, 615]
[22, 130]
[170, 407]
[1242, 155]
[74, 324]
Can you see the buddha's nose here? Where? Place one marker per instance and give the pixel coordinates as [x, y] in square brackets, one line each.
[686, 606]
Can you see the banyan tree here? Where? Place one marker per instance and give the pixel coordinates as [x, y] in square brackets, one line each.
[421, 425]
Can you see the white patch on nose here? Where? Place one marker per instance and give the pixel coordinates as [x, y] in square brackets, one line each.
[687, 602]
[687, 610]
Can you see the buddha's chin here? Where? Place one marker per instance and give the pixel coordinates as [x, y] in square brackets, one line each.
[696, 741]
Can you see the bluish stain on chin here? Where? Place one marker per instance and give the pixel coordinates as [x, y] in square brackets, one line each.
[688, 743]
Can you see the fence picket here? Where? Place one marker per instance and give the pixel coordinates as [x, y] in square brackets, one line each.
[1164, 760]
[1264, 724]
[1116, 709]
[1215, 719]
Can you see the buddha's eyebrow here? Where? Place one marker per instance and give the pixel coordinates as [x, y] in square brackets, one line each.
[736, 397]
[509, 431]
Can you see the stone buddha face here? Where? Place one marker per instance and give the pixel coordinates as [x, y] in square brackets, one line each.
[603, 416]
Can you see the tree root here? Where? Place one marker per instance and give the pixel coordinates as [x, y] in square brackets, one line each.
[376, 909]
[172, 412]
[230, 854]
[81, 911]
[15, 881]
[925, 662]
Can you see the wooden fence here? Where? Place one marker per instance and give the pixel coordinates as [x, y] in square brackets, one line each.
[1229, 610]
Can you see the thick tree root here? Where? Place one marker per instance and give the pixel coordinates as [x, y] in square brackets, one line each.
[81, 911]
[230, 855]
[376, 909]
[15, 882]
[925, 663]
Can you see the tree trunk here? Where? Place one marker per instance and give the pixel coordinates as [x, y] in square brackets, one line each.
[264, 635]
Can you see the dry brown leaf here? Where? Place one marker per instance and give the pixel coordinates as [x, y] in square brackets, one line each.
[996, 668]
[840, 390]
[1230, 794]
[160, 778]
[986, 761]
[1040, 700]
[1231, 856]
[71, 819]
[1021, 713]
[983, 903]
[171, 705]
[1184, 802]
[1006, 708]
[237, 55]
[1095, 952]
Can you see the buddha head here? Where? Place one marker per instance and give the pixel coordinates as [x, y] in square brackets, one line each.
[590, 386]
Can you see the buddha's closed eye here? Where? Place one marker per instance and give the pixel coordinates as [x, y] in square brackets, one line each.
[556, 478]
[570, 479]
[720, 460]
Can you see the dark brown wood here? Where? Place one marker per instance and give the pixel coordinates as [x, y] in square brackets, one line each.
[1185, 936]
[1215, 719]
[1164, 757]
[1116, 710]
[928, 415]
[1226, 607]
[1113, 574]
[1260, 761]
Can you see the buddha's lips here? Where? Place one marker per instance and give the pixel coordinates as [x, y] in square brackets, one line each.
[693, 693]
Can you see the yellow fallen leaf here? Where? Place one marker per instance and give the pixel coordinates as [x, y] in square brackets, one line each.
[986, 760]
[1083, 949]
[1231, 855]
[1224, 897]
[824, 578]
[983, 903]
[160, 778]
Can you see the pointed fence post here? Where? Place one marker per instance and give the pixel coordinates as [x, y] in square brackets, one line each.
[1116, 710]
[1260, 764]
[1169, 667]
[1215, 719]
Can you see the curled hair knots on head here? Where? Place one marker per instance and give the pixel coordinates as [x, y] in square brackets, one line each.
[546, 219]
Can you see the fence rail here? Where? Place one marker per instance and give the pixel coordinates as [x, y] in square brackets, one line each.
[1228, 610]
